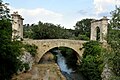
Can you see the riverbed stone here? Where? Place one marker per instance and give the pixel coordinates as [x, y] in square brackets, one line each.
[42, 72]
[107, 73]
[47, 58]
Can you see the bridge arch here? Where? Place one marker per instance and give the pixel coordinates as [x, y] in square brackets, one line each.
[46, 45]
[50, 48]
[73, 54]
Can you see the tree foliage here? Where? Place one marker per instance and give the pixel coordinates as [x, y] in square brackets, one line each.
[4, 10]
[83, 27]
[47, 31]
[114, 58]
[31, 49]
[9, 50]
[115, 21]
[9, 59]
[114, 42]
[91, 65]
[51, 31]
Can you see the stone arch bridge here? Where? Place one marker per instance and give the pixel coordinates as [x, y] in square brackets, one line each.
[47, 44]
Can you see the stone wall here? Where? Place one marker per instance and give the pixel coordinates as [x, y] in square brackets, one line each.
[102, 24]
[17, 26]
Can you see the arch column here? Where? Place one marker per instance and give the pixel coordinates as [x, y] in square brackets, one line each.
[93, 31]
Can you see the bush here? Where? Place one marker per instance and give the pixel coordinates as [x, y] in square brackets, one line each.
[26, 65]
[31, 49]
[82, 37]
[92, 63]
[9, 51]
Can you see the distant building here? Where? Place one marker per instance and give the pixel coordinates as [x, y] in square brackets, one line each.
[17, 26]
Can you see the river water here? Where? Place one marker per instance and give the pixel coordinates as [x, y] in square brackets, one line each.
[68, 73]
[62, 63]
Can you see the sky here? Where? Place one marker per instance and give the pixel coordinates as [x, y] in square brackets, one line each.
[63, 12]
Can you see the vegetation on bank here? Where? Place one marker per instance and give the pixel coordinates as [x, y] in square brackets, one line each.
[32, 49]
[114, 42]
[92, 62]
[96, 57]
[10, 51]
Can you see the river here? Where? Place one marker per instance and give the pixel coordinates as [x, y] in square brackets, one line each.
[68, 73]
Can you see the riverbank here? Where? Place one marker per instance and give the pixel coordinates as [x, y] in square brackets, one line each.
[42, 72]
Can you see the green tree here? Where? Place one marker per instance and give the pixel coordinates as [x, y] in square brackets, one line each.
[114, 58]
[92, 63]
[9, 51]
[4, 10]
[83, 27]
[114, 42]
[82, 37]
[27, 29]
[115, 21]
[50, 31]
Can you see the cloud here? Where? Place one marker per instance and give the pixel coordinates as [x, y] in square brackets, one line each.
[103, 6]
[38, 14]
[82, 12]
[32, 16]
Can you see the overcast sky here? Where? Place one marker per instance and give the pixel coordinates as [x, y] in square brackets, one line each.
[63, 12]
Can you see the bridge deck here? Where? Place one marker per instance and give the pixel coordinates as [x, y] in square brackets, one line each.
[55, 40]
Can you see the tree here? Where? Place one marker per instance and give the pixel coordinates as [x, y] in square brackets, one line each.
[4, 10]
[115, 21]
[9, 50]
[91, 64]
[83, 27]
[27, 29]
[114, 42]
[50, 31]
[5, 24]
[114, 58]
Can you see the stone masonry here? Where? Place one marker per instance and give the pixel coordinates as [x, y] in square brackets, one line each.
[17, 26]
[46, 45]
[102, 24]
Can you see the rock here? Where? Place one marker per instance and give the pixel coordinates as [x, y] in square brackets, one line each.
[47, 58]
[27, 58]
[42, 72]
[107, 73]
